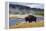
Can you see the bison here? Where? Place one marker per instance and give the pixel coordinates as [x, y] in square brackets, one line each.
[30, 18]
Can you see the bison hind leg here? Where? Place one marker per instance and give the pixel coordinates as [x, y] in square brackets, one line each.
[35, 21]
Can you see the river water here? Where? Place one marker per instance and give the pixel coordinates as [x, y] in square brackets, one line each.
[13, 21]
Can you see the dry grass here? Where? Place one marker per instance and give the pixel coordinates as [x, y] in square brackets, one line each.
[28, 25]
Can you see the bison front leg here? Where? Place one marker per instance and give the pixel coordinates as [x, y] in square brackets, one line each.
[26, 20]
[30, 21]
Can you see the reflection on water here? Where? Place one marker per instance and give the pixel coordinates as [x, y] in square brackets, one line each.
[12, 21]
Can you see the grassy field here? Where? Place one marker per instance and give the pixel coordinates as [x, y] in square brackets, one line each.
[27, 25]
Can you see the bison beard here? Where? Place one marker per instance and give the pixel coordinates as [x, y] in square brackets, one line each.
[30, 19]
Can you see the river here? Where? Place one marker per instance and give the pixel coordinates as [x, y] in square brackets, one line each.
[14, 21]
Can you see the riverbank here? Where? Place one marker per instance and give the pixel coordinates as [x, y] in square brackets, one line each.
[27, 25]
